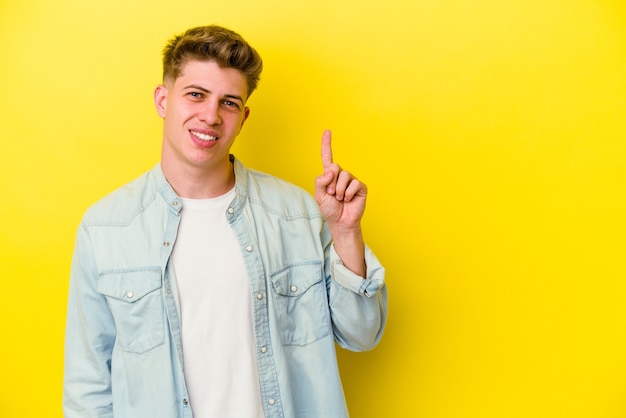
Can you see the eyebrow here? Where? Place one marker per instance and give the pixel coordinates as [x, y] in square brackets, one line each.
[228, 96]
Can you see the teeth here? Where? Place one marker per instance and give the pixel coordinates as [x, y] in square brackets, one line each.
[203, 136]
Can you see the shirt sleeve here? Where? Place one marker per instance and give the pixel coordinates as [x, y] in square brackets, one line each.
[358, 305]
[89, 339]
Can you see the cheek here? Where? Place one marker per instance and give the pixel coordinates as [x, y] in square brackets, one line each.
[172, 124]
[242, 120]
[234, 121]
[178, 116]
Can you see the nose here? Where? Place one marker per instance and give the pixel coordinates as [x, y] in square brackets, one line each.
[210, 113]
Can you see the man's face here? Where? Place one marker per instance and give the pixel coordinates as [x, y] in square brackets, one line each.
[203, 111]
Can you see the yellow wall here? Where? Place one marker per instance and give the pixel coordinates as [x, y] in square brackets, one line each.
[491, 134]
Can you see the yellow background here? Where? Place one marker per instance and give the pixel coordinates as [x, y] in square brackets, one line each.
[490, 133]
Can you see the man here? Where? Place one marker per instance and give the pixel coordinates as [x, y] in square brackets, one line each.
[205, 286]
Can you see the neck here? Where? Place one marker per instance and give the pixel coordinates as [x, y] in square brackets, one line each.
[199, 183]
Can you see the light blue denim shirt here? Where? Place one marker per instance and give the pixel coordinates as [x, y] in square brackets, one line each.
[123, 354]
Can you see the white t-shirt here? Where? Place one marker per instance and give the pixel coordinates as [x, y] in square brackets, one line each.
[216, 311]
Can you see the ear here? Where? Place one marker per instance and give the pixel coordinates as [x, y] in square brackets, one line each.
[160, 99]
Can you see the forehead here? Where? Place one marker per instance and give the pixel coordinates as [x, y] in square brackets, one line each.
[209, 73]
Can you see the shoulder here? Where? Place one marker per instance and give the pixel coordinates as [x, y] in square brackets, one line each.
[279, 196]
[123, 204]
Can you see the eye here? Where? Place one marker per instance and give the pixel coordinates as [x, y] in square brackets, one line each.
[195, 94]
[230, 103]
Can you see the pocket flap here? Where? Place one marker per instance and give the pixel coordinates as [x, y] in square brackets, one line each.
[129, 286]
[294, 280]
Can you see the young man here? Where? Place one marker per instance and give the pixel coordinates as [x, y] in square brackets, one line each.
[205, 286]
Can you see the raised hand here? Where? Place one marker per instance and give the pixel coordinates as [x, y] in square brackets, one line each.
[341, 198]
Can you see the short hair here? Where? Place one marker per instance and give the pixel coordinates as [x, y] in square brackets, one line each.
[212, 43]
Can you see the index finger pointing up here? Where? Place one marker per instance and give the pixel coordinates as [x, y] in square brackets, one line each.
[327, 152]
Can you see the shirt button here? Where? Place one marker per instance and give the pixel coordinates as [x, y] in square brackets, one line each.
[231, 210]
[259, 296]
[294, 288]
[264, 349]
[166, 243]
[249, 248]
[185, 402]
[130, 295]
[175, 203]
[271, 401]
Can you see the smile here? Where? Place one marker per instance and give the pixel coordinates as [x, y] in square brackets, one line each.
[203, 137]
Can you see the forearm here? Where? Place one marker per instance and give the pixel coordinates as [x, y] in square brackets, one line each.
[350, 248]
[358, 304]
[87, 376]
[89, 339]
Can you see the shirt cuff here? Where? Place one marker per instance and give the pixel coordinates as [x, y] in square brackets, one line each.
[368, 286]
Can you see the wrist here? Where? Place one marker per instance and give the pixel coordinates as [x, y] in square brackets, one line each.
[348, 235]
[350, 248]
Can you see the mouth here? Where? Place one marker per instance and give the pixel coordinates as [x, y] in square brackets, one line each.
[203, 137]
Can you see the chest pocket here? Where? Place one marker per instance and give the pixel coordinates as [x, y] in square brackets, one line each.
[300, 302]
[136, 302]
